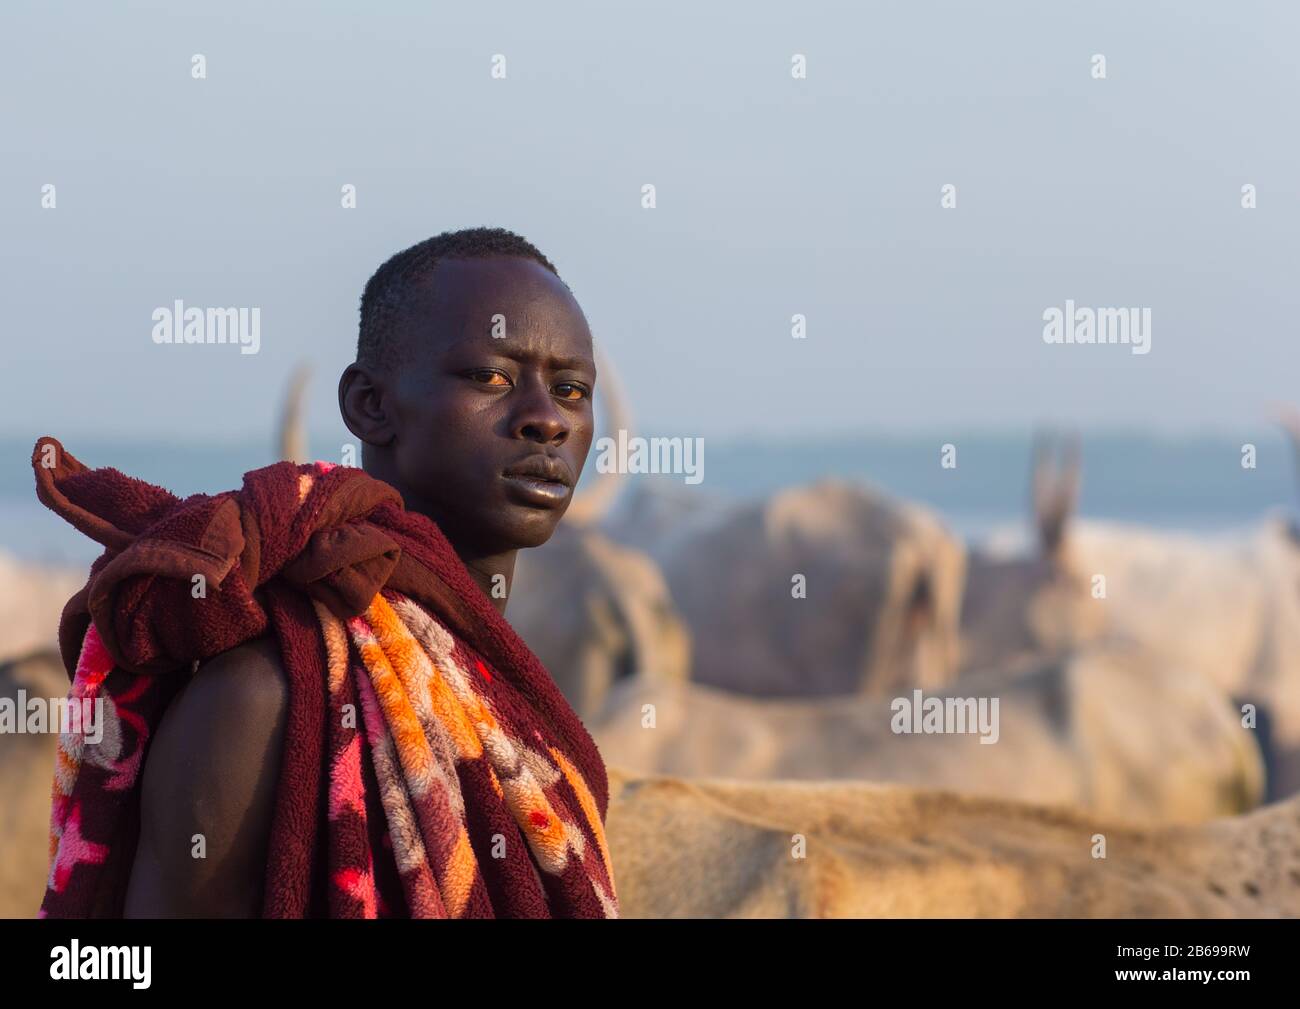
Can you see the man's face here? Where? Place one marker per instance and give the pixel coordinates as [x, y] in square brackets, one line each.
[492, 430]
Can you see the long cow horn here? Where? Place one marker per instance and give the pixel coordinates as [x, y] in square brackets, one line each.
[293, 433]
[1055, 483]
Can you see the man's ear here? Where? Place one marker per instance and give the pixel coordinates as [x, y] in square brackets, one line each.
[362, 404]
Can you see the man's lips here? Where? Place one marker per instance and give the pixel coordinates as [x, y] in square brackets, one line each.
[540, 480]
[546, 468]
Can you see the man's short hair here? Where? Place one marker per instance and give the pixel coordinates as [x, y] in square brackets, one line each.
[388, 291]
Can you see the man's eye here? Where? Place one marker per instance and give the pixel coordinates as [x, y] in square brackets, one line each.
[568, 390]
[487, 377]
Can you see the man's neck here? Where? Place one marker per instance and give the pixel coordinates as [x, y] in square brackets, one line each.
[493, 574]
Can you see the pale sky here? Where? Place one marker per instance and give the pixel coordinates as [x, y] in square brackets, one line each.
[775, 196]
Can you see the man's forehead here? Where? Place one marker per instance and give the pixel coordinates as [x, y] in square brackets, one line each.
[477, 284]
[507, 304]
[559, 343]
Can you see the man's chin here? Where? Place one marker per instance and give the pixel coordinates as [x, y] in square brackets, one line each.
[523, 527]
[537, 532]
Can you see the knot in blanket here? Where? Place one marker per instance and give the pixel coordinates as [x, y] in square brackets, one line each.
[310, 529]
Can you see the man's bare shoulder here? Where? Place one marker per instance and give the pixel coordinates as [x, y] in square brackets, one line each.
[234, 703]
[209, 785]
[248, 681]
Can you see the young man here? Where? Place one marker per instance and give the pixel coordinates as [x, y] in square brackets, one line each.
[471, 396]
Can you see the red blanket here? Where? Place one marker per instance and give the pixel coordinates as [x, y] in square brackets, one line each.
[408, 693]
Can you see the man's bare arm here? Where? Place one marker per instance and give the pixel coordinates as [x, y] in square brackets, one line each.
[209, 788]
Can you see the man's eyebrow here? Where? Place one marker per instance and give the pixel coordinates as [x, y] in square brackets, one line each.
[573, 363]
[569, 363]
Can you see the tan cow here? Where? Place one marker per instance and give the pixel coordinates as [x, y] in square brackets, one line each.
[1224, 607]
[827, 589]
[1229, 609]
[726, 849]
[1107, 729]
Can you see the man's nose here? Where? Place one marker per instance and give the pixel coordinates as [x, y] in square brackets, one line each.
[537, 417]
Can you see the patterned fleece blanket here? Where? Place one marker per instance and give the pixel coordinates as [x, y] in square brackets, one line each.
[431, 768]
